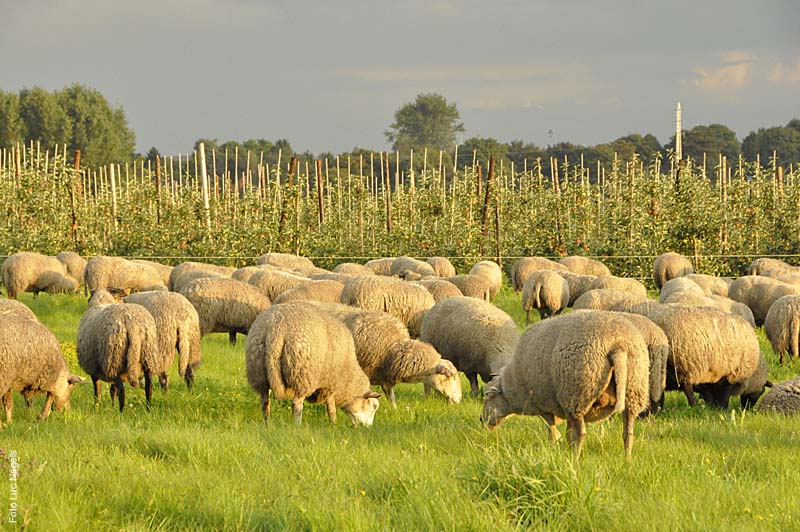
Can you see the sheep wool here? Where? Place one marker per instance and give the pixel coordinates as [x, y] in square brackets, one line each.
[380, 266]
[623, 284]
[182, 268]
[275, 282]
[439, 288]
[710, 284]
[406, 264]
[759, 293]
[352, 268]
[584, 265]
[608, 299]
[405, 301]
[764, 263]
[74, 263]
[545, 291]
[11, 306]
[658, 351]
[578, 284]
[182, 280]
[327, 291]
[783, 398]
[286, 261]
[442, 266]
[782, 326]
[525, 266]
[471, 285]
[491, 272]
[105, 272]
[670, 265]
[163, 270]
[33, 272]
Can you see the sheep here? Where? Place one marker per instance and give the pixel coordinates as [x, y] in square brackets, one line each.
[402, 300]
[607, 299]
[244, 274]
[582, 367]
[763, 264]
[31, 362]
[274, 283]
[286, 261]
[404, 264]
[658, 352]
[352, 268]
[442, 266]
[707, 346]
[748, 391]
[710, 284]
[525, 266]
[477, 337]
[578, 284]
[332, 276]
[104, 272]
[679, 286]
[624, 284]
[783, 398]
[74, 263]
[584, 265]
[177, 327]
[118, 342]
[225, 305]
[380, 266]
[684, 291]
[184, 267]
[668, 266]
[787, 276]
[439, 288]
[492, 273]
[163, 270]
[300, 352]
[182, 280]
[731, 307]
[34, 272]
[11, 306]
[782, 326]
[759, 293]
[545, 291]
[472, 286]
[325, 291]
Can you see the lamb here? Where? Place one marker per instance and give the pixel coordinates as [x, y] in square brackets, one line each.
[442, 266]
[584, 265]
[582, 367]
[184, 267]
[74, 263]
[608, 299]
[177, 327]
[707, 346]
[578, 284]
[352, 268]
[327, 291]
[185, 278]
[34, 272]
[525, 266]
[287, 261]
[104, 272]
[763, 264]
[710, 284]
[380, 266]
[759, 293]
[492, 273]
[472, 286]
[118, 342]
[225, 305]
[31, 362]
[163, 270]
[300, 352]
[274, 283]
[477, 337]
[400, 299]
[404, 264]
[440, 288]
[782, 326]
[11, 306]
[545, 291]
[784, 398]
[670, 265]
[624, 284]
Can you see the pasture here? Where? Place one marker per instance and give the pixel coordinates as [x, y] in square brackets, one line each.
[204, 459]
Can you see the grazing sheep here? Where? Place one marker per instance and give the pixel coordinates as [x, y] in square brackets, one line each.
[182, 280]
[787, 276]
[578, 284]
[402, 300]
[331, 276]
[404, 264]
[225, 305]
[763, 264]
[326, 291]
[177, 327]
[471, 285]
[477, 337]
[439, 288]
[525, 266]
[748, 391]
[34, 272]
[545, 291]
[380, 266]
[74, 263]
[442, 266]
[286, 261]
[783, 398]
[492, 273]
[623, 284]
[300, 352]
[581, 367]
[11, 306]
[608, 299]
[670, 265]
[105, 272]
[759, 293]
[710, 284]
[118, 342]
[244, 274]
[31, 362]
[658, 351]
[274, 283]
[707, 346]
[782, 326]
[184, 267]
[584, 265]
[352, 268]
[679, 286]
[163, 270]
[107, 296]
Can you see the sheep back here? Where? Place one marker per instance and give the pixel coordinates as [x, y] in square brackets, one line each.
[225, 305]
[30, 272]
[584, 265]
[545, 291]
[442, 266]
[405, 301]
[525, 266]
[328, 291]
[668, 266]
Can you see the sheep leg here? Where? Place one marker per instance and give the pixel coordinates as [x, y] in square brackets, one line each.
[473, 383]
[97, 389]
[48, 404]
[389, 391]
[120, 392]
[232, 338]
[688, 390]
[297, 410]
[330, 405]
[627, 432]
[528, 316]
[148, 387]
[189, 378]
[550, 419]
[163, 380]
[265, 406]
[428, 389]
[8, 403]
[578, 432]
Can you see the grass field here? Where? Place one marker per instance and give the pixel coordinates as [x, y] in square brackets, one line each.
[205, 460]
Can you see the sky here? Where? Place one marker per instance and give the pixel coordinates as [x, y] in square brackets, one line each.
[329, 75]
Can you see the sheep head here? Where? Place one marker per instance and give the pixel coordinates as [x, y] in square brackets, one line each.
[63, 389]
[362, 408]
[495, 405]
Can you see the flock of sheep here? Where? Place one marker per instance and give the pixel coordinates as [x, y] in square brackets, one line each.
[328, 336]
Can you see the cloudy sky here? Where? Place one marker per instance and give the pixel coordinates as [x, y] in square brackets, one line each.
[329, 75]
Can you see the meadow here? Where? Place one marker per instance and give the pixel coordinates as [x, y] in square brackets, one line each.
[204, 459]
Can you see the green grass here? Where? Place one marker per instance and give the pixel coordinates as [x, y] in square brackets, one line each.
[205, 460]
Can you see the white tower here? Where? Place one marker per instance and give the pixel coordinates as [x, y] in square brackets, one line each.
[678, 144]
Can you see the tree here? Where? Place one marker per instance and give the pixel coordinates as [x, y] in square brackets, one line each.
[10, 123]
[43, 119]
[427, 122]
[710, 140]
[483, 148]
[785, 141]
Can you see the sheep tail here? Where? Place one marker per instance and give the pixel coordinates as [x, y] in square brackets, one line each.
[274, 351]
[794, 337]
[134, 355]
[619, 365]
[184, 349]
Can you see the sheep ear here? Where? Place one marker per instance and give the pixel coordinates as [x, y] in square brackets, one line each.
[441, 369]
[371, 395]
[769, 384]
[75, 379]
